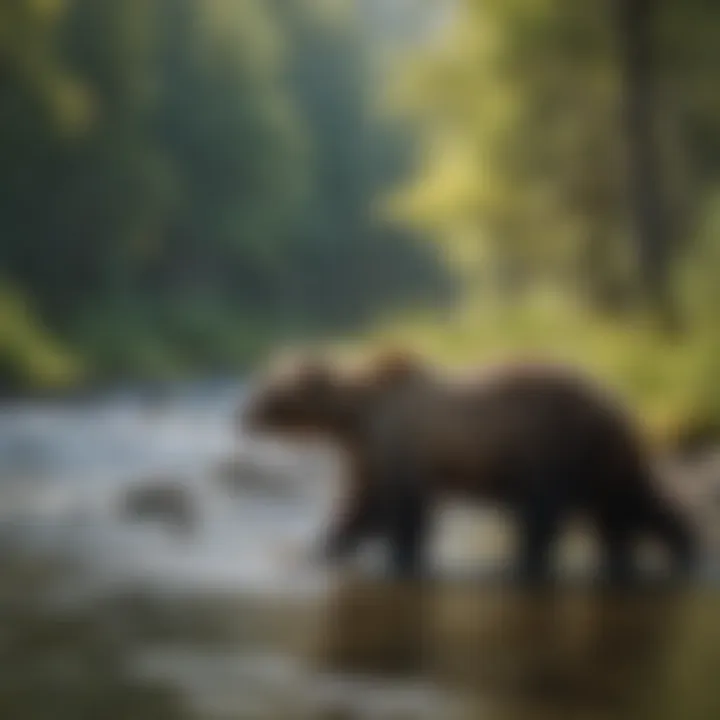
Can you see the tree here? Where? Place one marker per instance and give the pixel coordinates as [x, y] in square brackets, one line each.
[570, 142]
[184, 181]
[635, 24]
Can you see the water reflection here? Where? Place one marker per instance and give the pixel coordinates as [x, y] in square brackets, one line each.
[511, 655]
[375, 629]
[368, 649]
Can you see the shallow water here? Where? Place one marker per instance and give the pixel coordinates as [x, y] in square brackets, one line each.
[228, 622]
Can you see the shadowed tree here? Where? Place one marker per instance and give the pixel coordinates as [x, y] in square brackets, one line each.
[634, 24]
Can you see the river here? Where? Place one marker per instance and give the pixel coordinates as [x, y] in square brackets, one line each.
[102, 616]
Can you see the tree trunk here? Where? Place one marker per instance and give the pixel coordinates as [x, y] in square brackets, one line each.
[634, 24]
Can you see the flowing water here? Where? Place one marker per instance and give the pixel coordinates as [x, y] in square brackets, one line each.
[105, 616]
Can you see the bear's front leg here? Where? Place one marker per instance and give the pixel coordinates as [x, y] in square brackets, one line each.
[406, 508]
[357, 519]
[355, 522]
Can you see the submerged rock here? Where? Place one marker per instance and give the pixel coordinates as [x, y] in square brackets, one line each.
[694, 482]
[244, 474]
[162, 499]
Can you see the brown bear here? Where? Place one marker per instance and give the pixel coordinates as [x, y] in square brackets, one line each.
[539, 439]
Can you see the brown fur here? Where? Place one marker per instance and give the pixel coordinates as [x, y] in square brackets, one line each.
[539, 439]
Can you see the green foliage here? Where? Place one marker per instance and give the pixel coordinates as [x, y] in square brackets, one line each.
[523, 171]
[29, 356]
[184, 183]
[182, 180]
[521, 156]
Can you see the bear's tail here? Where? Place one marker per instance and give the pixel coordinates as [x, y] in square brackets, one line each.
[663, 520]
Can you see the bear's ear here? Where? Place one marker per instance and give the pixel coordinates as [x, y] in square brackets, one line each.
[395, 366]
[314, 374]
[297, 366]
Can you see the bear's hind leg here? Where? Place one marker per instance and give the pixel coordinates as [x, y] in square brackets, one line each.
[540, 518]
[661, 519]
[407, 532]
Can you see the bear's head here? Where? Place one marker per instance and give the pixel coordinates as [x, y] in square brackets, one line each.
[310, 397]
[319, 398]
